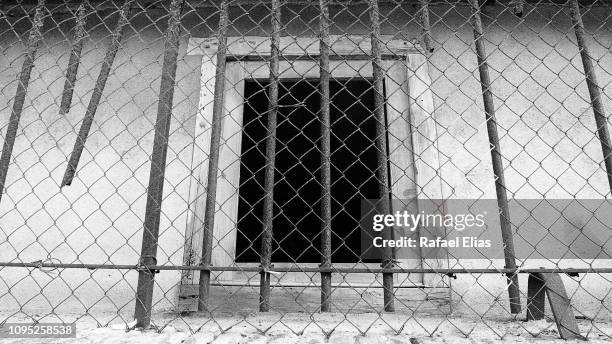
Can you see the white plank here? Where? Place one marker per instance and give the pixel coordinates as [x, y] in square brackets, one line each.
[310, 69]
[401, 160]
[197, 192]
[224, 234]
[339, 45]
[425, 141]
[226, 213]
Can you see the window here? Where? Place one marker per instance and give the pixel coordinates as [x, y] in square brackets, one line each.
[411, 146]
[297, 193]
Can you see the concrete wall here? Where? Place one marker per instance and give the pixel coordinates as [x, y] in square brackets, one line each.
[546, 127]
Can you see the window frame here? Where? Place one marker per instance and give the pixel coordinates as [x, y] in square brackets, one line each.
[412, 137]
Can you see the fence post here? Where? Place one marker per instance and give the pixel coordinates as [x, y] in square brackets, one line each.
[96, 96]
[213, 161]
[22, 88]
[268, 207]
[496, 158]
[326, 212]
[381, 145]
[73, 61]
[594, 90]
[155, 191]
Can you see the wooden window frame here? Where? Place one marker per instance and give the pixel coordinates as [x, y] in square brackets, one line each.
[412, 134]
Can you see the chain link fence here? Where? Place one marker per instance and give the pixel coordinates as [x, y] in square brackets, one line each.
[204, 164]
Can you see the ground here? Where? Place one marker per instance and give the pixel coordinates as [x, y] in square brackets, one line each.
[303, 328]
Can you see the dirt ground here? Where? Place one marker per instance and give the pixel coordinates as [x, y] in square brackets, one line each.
[312, 329]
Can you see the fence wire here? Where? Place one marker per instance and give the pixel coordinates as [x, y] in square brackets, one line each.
[167, 159]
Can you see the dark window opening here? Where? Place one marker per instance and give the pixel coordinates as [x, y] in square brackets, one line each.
[297, 191]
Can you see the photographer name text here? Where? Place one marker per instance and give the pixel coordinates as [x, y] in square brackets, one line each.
[438, 242]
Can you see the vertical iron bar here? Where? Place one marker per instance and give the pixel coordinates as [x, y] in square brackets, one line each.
[213, 160]
[155, 191]
[426, 27]
[22, 87]
[381, 144]
[594, 89]
[326, 215]
[496, 158]
[79, 144]
[74, 61]
[268, 211]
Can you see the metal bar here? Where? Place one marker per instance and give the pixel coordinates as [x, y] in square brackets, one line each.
[39, 264]
[311, 57]
[213, 160]
[326, 212]
[536, 295]
[426, 27]
[22, 88]
[594, 89]
[103, 5]
[268, 206]
[496, 158]
[381, 143]
[150, 234]
[552, 285]
[79, 144]
[344, 285]
[300, 269]
[73, 61]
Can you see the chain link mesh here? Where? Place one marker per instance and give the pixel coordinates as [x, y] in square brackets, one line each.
[91, 76]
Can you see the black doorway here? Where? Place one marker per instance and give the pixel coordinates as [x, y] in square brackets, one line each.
[296, 224]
